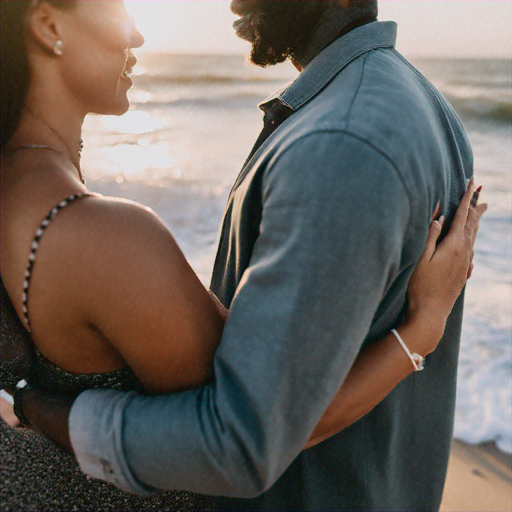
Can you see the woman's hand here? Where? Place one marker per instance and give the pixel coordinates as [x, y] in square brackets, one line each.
[443, 269]
[49, 414]
[433, 290]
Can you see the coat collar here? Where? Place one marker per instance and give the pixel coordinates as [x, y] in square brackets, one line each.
[329, 63]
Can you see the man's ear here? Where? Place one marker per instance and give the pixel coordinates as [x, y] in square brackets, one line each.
[44, 26]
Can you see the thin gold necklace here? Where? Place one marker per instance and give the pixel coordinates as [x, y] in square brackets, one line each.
[68, 151]
[49, 148]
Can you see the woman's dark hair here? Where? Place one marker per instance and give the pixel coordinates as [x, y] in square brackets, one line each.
[14, 68]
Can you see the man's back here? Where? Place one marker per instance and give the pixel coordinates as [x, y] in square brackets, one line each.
[394, 458]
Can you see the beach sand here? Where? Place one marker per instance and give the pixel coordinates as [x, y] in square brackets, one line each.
[479, 477]
[479, 480]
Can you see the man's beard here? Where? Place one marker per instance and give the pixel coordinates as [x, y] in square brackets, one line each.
[279, 29]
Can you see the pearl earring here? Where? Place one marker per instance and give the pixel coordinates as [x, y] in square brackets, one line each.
[57, 49]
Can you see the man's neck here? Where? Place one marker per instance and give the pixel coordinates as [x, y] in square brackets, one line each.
[333, 24]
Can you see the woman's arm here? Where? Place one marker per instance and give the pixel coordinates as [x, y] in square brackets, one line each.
[373, 376]
[124, 280]
[435, 285]
[172, 353]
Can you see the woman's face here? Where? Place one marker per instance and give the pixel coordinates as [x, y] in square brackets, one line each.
[95, 63]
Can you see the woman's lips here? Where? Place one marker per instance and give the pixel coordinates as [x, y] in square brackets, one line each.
[130, 64]
[131, 61]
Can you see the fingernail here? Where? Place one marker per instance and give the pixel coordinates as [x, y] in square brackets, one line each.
[475, 198]
[436, 213]
[441, 220]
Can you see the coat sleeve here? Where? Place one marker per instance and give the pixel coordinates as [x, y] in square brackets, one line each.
[335, 218]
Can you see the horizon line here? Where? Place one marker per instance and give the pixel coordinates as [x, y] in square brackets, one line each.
[245, 55]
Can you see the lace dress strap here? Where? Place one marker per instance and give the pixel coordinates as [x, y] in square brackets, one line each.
[35, 246]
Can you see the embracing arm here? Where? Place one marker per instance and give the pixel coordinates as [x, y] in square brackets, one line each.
[286, 349]
[380, 367]
[139, 293]
[297, 322]
[435, 284]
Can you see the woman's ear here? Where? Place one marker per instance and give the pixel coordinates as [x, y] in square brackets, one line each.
[44, 27]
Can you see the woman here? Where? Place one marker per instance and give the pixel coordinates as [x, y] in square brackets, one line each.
[96, 257]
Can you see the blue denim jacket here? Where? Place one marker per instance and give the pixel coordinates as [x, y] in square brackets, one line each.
[321, 234]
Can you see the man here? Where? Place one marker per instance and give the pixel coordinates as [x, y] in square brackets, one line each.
[322, 231]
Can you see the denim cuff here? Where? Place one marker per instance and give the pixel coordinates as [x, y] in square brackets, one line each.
[96, 431]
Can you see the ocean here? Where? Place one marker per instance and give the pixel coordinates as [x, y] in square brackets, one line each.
[192, 122]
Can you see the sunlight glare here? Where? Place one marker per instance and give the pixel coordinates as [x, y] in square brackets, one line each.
[148, 162]
[156, 20]
[135, 121]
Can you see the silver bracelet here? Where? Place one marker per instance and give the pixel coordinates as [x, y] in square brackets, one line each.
[416, 360]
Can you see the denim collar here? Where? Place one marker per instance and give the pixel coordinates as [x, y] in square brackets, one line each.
[331, 61]
[335, 22]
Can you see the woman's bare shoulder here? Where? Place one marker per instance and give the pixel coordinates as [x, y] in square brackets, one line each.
[99, 227]
[132, 283]
[114, 211]
[99, 213]
[110, 249]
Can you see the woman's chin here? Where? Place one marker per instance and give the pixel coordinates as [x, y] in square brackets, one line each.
[119, 108]
[122, 110]
[122, 103]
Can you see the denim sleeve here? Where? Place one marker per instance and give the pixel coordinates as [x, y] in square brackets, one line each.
[335, 217]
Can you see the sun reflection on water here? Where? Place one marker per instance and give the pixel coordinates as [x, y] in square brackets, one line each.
[138, 96]
[144, 160]
[135, 121]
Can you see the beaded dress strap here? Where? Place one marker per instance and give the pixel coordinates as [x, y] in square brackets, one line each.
[35, 246]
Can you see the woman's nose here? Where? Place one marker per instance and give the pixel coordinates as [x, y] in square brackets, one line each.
[136, 38]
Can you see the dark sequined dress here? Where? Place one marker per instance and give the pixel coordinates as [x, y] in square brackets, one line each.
[35, 474]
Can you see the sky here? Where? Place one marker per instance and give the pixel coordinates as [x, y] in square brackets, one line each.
[427, 28]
